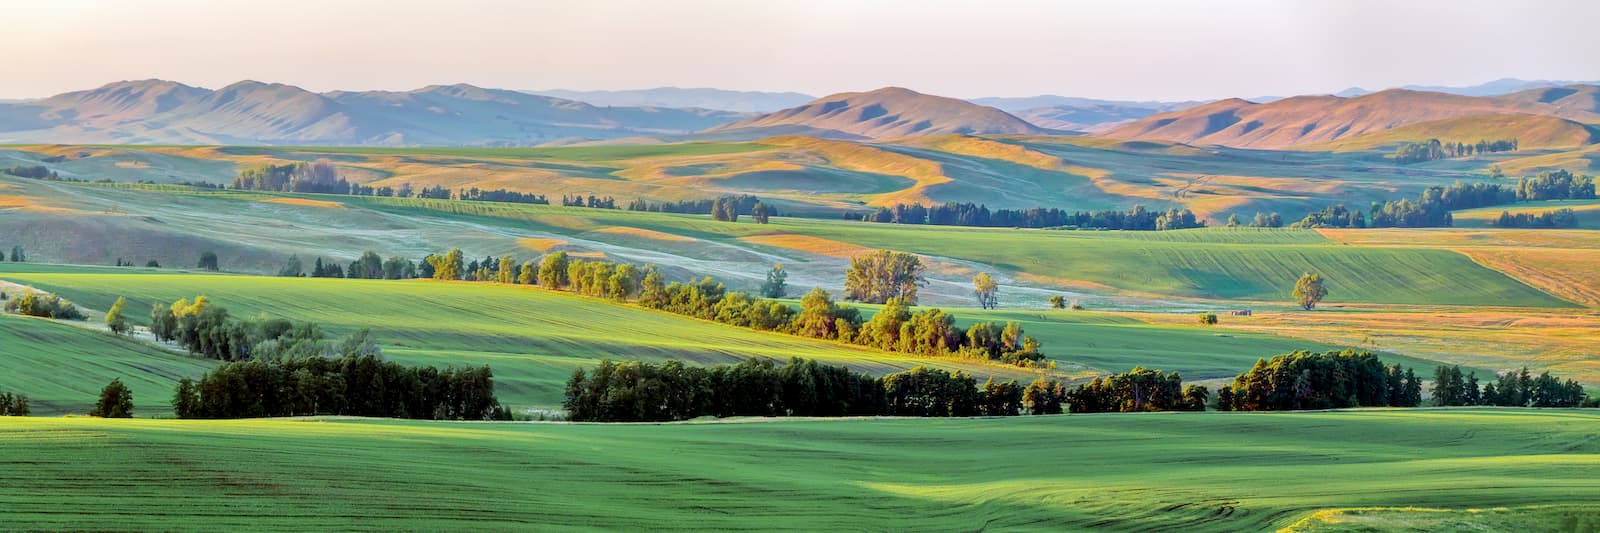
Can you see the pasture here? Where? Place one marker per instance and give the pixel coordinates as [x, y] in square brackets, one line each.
[1128, 472]
[61, 368]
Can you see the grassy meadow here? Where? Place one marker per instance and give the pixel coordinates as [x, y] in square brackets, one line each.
[61, 367]
[1130, 472]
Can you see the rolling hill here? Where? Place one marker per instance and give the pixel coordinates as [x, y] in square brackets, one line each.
[704, 98]
[883, 113]
[250, 112]
[1533, 132]
[1304, 120]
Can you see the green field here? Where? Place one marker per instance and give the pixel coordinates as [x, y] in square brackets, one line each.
[534, 338]
[61, 368]
[1131, 472]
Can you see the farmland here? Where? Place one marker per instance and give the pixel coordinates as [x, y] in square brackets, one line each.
[61, 368]
[1194, 472]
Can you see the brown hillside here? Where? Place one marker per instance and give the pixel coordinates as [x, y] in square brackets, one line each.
[885, 113]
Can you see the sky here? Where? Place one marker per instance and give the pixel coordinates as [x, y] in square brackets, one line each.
[1115, 49]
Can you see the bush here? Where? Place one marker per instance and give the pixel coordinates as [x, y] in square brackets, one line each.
[116, 401]
[1208, 319]
[44, 305]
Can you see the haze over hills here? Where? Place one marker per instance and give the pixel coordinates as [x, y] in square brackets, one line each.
[250, 112]
[1303, 120]
[1492, 88]
[882, 113]
[703, 98]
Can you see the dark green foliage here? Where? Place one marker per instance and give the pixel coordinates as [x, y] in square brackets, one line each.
[14, 405]
[1559, 218]
[354, 384]
[43, 305]
[776, 285]
[208, 261]
[34, 171]
[368, 266]
[636, 391]
[1208, 319]
[17, 255]
[1556, 185]
[207, 331]
[1058, 302]
[1518, 388]
[1140, 389]
[318, 177]
[152, 264]
[1308, 380]
[116, 401]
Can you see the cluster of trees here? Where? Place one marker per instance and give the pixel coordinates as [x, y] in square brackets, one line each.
[1559, 218]
[34, 171]
[13, 405]
[1511, 389]
[883, 275]
[968, 214]
[498, 195]
[1433, 150]
[590, 201]
[43, 305]
[743, 204]
[206, 330]
[17, 255]
[1261, 220]
[1137, 390]
[357, 382]
[1309, 380]
[1556, 185]
[638, 391]
[318, 177]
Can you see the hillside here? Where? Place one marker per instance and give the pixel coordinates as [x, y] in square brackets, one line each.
[704, 98]
[1303, 120]
[1066, 113]
[1532, 132]
[883, 113]
[1124, 472]
[250, 112]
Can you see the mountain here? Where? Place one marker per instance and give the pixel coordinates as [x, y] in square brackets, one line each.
[883, 113]
[1533, 132]
[251, 112]
[1304, 120]
[704, 98]
[1067, 113]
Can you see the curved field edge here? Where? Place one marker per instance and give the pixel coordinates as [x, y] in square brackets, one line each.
[1127, 472]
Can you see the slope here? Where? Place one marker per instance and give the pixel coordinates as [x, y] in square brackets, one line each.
[61, 368]
[882, 113]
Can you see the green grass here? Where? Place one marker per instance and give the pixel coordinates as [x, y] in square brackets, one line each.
[532, 338]
[61, 368]
[1139, 472]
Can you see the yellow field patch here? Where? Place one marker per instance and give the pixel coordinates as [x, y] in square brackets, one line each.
[1573, 274]
[540, 245]
[565, 221]
[808, 244]
[303, 202]
[1455, 238]
[643, 234]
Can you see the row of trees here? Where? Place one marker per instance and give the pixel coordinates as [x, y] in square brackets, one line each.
[742, 204]
[1309, 380]
[638, 391]
[368, 266]
[1559, 218]
[1433, 150]
[969, 214]
[355, 383]
[1512, 389]
[1432, 207]
[1556, 185]
[14, 404]
[30, 171]
[318, 177]
[17, 255]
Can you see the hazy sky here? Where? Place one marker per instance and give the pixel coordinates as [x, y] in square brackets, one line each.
[1109, 49]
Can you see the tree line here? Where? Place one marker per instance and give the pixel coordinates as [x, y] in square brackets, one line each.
[1432, 207]
[43, 305]
[1310, 380]
[1512, 389]
[206, 330]
[1433, 150]
[1559, 218]
[14, 404]
[969, 214]
[354, 383]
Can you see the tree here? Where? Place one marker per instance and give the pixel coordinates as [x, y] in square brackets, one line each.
[208, 261]
[1058, 302]
[986, 290]
[761, 212]
[880, 275]
[116, 401]
[152, 264]
[114, 318]
[1309, 290]
[528, 274]
[447, 266]
[1233, 220]
[292, 268]
[553, 271]
[507, 270]
[776, 286]
[186, 401]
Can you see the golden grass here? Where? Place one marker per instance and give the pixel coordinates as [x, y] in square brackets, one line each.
[1564, 263]
[1573, 274]
[988, 149]
[808, 244]
[643, 234]
[540, 245]
[1456, 238]
[864, 158]
[572, 222]
[304, 202]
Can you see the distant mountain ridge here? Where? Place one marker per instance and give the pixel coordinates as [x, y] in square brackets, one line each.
[1305, 120]
[251, 112]
[882, 113]
[703, 98]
